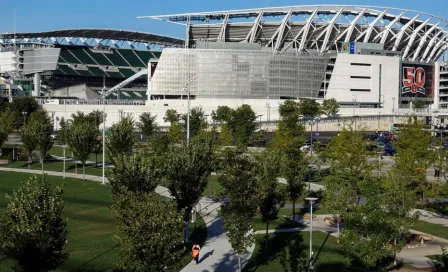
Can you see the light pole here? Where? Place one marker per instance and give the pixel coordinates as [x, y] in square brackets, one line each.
[311, 200]
[260, 115]
[268, 111]
[120, 114]
[354, 103]
[104, 132]
[206, 121]
[311, 122]
[379, 115]
[65, 132]
[393, 104]
[24, 113]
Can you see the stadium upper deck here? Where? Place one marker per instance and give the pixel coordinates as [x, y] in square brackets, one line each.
[419, 36]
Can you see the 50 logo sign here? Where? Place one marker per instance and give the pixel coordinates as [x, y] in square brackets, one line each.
[414, 80]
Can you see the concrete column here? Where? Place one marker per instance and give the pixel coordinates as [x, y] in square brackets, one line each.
[436, 85]
[36, 84]
[10, 91]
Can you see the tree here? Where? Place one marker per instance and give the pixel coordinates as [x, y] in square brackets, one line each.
[32, 231]
[272, 197]
[96, 117]
[442, 264]
[81, 139]
[225, 135]
[187, 169]
[197, 121]
[413, 157]
[121, 141]
[238, 178]
[28, 135]
[338, 197]
[6, 126]
[148, 228]
[223, 114]
[43, 128]
[369, 228]
[309, 108]
[20, 105]
[138, 174]
[63, 128]
[294, 169]
[98, 148]
[171, 116]
[175, 133]
[147, 124]
[243, 124]
[348, 158]
[330, 107]
[289, 125]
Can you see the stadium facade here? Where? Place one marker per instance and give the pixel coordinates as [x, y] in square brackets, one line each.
[372, 60]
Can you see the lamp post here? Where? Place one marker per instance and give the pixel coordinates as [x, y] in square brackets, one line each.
[311, 200]
[120, 114]
[206, 121]
[103, 181]
[393, 104]
[260, 115]
[268, 111]
[354, 103]
[378, 128]
[24, 113]
[311, 122]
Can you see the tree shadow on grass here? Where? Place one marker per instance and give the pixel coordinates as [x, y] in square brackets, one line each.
[84, 266]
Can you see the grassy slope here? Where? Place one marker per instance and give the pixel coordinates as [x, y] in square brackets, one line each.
[433, 229]
[91, 224]
[327, 252]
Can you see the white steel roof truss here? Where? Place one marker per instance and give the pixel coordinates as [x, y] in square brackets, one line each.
[413, 36]
[385, 32]
[222, 33]
[403, 31]
[438, 45]
[432, 42]
[423, 40]
[330, 29]
[281, 32]
[372, 25]
[254, 30]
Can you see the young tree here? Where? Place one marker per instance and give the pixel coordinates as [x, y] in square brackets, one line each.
[175, 132]
[272, 197]
[289, 125]
[28, 135]
[171, 116]
[6, 126]
[121, 141]
[187, 169]
[223, 114]
[413, 157]
[96, 117]
[32, 231]
[148, 228]
[139, 174]
[309, 108]
[147, 124]
[330, 107]
[43, 126]
[243, 124]
[238, 178]
[63, 128]
[197, 121]
[81, 139]
[295, 170]
[20, 105]
[225, 135]
[98, 148]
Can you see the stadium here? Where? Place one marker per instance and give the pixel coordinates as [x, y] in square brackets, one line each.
[372, 60]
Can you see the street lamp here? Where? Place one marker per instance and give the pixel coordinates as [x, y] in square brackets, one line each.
[268, 111]
[311, 200]
[120, 112]
[260, 115]
[354, 103]
[24, 113]
[311, 122]
[379, 115]
[393, 104]
[103, 181]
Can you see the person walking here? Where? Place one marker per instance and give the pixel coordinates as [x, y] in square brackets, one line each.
[195, 252]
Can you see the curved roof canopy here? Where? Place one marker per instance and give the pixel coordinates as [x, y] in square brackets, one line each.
[419, 36]
[72, 36]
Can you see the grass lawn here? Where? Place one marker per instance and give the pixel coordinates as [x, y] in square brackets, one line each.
[59, 151]
[91, 224]
[433, 229]
[214, 186]
[58, 166]
[274, 256]
[282, 222]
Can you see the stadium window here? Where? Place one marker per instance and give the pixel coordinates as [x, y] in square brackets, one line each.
[361, 64]
[361, 77]
[359, 90]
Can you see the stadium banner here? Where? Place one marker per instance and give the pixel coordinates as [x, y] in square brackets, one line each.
[417, 80]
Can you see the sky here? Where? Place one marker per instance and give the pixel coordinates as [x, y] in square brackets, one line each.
[44, 15]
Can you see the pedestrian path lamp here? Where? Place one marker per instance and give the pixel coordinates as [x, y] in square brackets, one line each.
[311, 200]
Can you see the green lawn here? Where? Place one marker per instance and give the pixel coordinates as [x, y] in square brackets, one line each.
[58, 166]
[432, 229]
[274, 256]
[440, 208]
[59, 151]
[213, 186]
[91, 224]
[282, 222]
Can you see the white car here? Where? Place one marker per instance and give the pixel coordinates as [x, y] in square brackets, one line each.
[305, 147]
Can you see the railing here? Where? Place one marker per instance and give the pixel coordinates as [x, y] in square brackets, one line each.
[41, 101]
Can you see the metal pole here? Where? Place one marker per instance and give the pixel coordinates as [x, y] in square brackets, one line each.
[311, 144]
[311, 236]
[65, 121]
[64, 157]
[188, 115]
[104, 132]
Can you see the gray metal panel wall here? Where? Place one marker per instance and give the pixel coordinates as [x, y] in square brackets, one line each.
[40, 60]
[239, 73]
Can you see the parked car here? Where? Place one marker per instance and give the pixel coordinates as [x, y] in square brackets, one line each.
[305, 147]
[389, 150]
